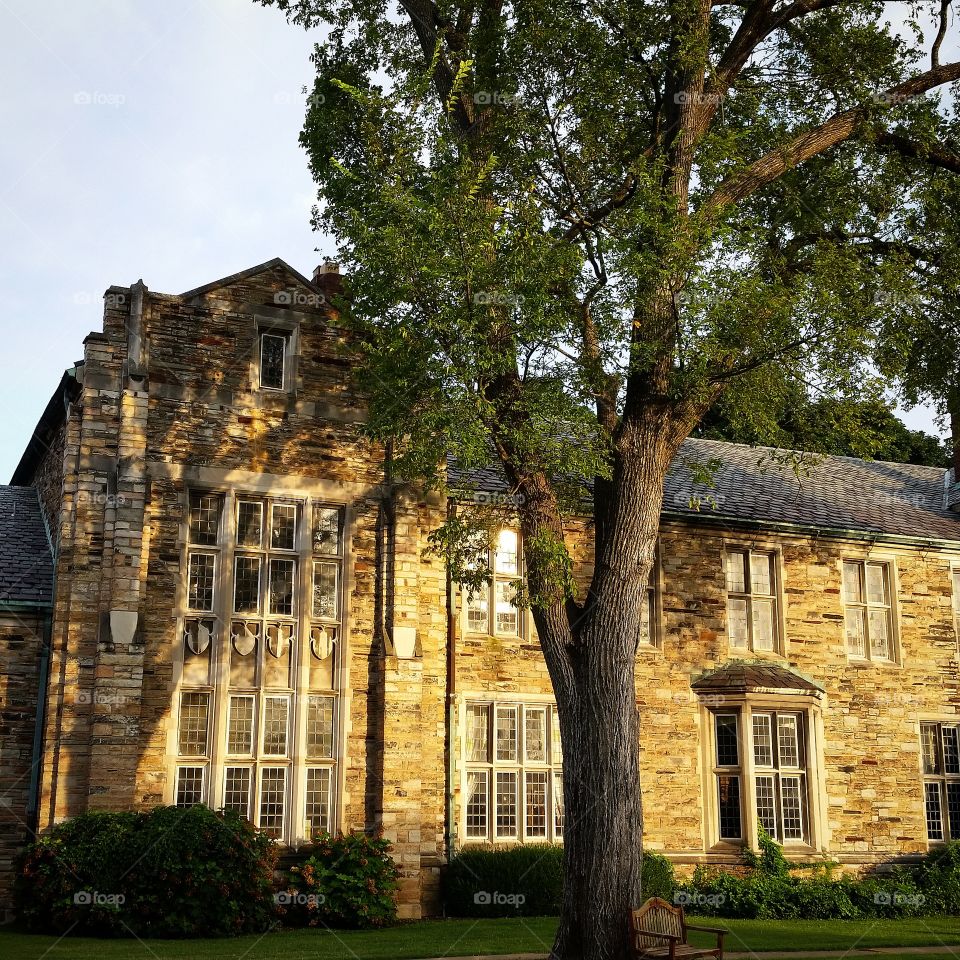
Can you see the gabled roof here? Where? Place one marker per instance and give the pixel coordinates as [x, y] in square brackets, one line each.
[26, 563]
[750, 486]
[740, 676]
[55, 412]
[252, 272]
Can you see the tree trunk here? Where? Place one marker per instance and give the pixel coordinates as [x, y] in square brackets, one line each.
[599, 724]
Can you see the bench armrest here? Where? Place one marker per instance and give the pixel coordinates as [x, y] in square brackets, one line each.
[717, 930]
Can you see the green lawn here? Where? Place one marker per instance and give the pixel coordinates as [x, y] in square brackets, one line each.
[437, 938]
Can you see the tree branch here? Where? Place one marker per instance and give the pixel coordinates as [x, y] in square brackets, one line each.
[840, 127]
[941, 34]
[935, 156]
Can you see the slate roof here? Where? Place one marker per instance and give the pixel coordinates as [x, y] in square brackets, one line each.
[827, 494]
[26, 565]
[741, 676]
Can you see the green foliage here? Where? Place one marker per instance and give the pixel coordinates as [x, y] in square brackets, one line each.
[525, 880]
[770, 888]
[521, 880]
[345, 881]
[167, 873]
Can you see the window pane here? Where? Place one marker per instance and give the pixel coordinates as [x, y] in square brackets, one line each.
[325, 590]
[272, 350]
[736, 561]
[788, 740]
[766, 805]
[236, 790]
[852, 592]
[647, 617]
[478, 611]
[853, 620]
[762, 740]
[240, 726]
[956, 591]
[201, 580]
[535, 734]
[506, 552]
[326, 529]
[763, 625]
[931, 792]
[204, 518]
[275, 713]
[737, 622]
[189, 786]
[535, 802]
[951, 753]
[283, 526]
[320, 727]
[728, 744]
[880, 634]
[194, 711]
[506, 733]
[317, 811]
[877, 583]
[282, 578]
[953, 810]
[508, 616]
[246, 586]
[556, 746]
[928, 741]
[477, 803]
[558, 804]
[273, 800]
[761, 574]
[728, 789]
[478, 718]
[506, 803]
[791, 804]
[249, 523]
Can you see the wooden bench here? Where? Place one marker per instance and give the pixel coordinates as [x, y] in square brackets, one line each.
[660, 930]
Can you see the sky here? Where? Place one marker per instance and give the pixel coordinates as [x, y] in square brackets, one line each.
[141, 140]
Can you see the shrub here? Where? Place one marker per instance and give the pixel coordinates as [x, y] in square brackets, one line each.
[167, 873]
[938, 880]
[523, 880]
[657, 879]
[346, 881]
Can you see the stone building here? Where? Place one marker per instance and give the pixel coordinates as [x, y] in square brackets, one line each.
[211, 590]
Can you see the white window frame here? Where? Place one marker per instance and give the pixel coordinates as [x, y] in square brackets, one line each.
[941, 780]
[749, 596]
[551, 767]
[889, 570]
[955, 590]
[489, 591]
[746, 706]
[294, 684]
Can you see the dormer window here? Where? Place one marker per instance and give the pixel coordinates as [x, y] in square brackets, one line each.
[274, 361]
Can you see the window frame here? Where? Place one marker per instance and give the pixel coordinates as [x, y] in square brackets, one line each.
[748, 596]
[942, 780]
[653, 605]
[891, 585]
[302, 543]
[746, 706]
[285, 337]
[489, 594]
[517, 764]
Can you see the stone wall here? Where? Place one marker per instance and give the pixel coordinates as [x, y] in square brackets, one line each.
[21, 644]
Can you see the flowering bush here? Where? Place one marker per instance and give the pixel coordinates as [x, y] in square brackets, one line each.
[345, 881]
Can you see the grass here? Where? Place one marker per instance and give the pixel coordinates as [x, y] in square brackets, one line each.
[438, 938]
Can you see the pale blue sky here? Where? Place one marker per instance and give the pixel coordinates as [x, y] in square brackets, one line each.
[140, 139]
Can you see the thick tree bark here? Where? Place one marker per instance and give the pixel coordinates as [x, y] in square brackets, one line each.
[590, 651]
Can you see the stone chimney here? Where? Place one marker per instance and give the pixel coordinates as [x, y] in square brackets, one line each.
[327, 278]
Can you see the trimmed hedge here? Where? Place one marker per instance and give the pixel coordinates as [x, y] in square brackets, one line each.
[525, 880]
[167, 873]
[345, 881]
